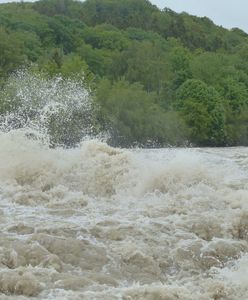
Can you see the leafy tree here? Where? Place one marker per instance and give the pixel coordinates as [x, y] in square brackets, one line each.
[170, 77]
[143, 62]
[121, 13]
[180, 65]
[12, 52]
[134, 116]
[75, 67]
[203, 112]
[237, 129]
[236, 94]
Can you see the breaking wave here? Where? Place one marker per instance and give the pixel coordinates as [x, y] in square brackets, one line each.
[56, 111]
[96, 222]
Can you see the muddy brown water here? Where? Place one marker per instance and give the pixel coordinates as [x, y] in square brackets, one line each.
[102, 223]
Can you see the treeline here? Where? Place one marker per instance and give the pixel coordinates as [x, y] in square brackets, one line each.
[160, 78]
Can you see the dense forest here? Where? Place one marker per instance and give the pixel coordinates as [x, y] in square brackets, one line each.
[158, 77]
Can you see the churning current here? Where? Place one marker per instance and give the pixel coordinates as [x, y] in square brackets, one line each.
[96, 222]
[99, 223]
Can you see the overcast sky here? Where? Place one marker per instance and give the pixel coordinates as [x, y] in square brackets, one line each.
[228, 13]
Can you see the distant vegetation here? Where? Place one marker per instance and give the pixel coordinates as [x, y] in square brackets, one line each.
[160, 78]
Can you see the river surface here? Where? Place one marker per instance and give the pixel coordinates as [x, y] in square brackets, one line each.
[96, 222]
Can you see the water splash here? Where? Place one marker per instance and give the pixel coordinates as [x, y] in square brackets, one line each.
[95, 222]
[59, 111]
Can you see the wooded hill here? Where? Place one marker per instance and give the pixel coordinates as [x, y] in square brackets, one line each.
[160, 78]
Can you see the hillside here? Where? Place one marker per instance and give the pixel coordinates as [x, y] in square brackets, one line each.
[160, 78]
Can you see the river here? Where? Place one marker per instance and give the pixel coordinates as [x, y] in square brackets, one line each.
[95, 222]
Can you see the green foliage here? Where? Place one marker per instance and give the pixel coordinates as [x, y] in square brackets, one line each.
[203, 111]
[158, 76]
[12, 52]
[121, 13]
[237, 129]
[211, 67]
[143, 62]
[107, 38]
[180, 65]
[52, 8]
[135, 117]
[236, 94]
[168, 24]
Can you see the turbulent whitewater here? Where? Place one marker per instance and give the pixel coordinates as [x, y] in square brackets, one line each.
[96, 222]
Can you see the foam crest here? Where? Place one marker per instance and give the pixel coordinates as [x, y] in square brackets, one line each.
[37, 171]
[179, 171]
[97, 222]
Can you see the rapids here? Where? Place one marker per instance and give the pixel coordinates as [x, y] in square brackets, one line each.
[96, 222]
[83, 220]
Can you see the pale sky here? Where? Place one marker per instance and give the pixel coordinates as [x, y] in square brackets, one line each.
[228, 13]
